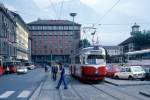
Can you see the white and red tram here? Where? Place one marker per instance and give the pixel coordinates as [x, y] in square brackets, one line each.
[90, 64]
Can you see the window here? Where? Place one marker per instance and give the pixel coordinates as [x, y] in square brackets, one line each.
[66, 27]
[123, 70]
[70, 27]
[60, 27]
[45, 33]
[128, 70]
[55, 28]
[60, 33]
[49, 27]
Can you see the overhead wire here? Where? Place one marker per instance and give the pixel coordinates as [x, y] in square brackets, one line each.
[61, 9]
[107, 12]
[53, 7]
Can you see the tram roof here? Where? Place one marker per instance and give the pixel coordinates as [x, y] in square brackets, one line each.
[138, 52]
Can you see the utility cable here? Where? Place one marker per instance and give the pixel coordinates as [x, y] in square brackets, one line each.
[54, 9]
[107, 12]
[61, 9]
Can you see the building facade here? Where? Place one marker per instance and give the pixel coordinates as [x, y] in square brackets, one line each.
[22, 35]
[128, 44]
[113, 54]
[7, 34]
[54, 40]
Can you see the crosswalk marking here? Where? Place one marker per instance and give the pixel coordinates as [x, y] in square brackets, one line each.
[6, 94]
[24, 94]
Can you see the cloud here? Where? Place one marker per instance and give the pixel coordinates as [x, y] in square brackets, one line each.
[10, 7]
[44, 4]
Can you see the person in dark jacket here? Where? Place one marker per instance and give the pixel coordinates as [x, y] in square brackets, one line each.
[62, 77]
[55, 70]
[46, 68]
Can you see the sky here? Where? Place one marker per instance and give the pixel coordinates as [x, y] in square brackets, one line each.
[112, 28]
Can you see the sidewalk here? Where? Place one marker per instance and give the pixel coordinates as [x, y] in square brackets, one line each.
[145, 92]
[47, 91]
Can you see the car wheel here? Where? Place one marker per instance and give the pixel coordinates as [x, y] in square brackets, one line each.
[142, 79]
[130, 78]
[116, 77]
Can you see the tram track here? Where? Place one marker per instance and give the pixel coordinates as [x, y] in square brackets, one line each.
[103, 91]
[117, 93]
[89, 92]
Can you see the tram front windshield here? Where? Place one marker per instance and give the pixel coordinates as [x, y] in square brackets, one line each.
[95, 59]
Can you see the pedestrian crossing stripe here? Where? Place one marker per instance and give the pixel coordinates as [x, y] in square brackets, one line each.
[24, 94]
[6, 94]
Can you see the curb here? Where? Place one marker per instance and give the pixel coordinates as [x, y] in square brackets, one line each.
[37, 91]
[125, 84]
[112, 83]
[144, 93]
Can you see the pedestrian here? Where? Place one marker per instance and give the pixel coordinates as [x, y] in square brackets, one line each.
[52, 72]
[55, 70]
[62, 77]
[46, 68]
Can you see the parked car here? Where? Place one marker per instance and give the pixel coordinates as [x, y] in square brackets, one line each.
[111, 70]
[30, 66]
[147, 71]
[9, 67]
[130, 72]
[22, 70]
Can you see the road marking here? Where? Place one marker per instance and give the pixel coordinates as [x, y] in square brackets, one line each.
[6, 94]
[24, 94]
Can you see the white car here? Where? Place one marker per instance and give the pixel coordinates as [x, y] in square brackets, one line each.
[130, 72]
[30, 66]
[22, 70]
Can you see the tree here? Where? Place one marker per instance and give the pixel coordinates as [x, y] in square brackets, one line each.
[84, 43]
[141, 39]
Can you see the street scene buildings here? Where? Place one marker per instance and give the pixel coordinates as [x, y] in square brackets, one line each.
[8, 34]
[54, 40]
[44, 42]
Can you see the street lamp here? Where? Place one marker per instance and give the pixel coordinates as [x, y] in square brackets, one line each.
[72, 51]
[73, 15]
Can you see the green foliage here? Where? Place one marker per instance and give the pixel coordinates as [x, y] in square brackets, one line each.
[84, 43]
[141, 39]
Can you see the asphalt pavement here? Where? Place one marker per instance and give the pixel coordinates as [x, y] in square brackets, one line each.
[80, 91]
[22, 86]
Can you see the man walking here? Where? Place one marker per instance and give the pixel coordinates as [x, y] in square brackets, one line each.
[55, 72]
[62, 77]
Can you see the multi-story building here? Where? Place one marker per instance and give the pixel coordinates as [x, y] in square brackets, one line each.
[54, 40]
[22, 34]
[7, 34]
[113, 54]
[128, 44]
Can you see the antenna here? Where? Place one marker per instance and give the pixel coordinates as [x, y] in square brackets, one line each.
[88, 31]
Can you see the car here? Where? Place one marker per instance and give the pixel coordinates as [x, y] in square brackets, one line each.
[130, 72]
[30, 66]
[111, 70]
[9, 67]
[22, 70]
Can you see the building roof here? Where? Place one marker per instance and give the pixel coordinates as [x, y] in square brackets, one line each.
[127, 41]
[7, 13]
[16, 15]
[53, 22]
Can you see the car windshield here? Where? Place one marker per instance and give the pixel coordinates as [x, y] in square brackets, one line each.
[137, 69]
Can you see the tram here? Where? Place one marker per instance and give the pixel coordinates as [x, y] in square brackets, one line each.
[90, 64]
